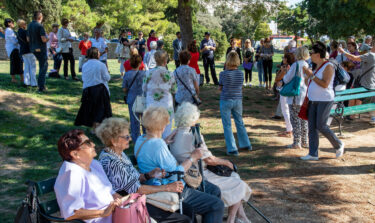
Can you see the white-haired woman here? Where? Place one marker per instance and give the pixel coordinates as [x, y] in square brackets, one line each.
[295, 102]
[233, 190]
[149, 58]
[159, 84]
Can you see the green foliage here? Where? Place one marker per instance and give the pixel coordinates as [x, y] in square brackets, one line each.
[342, 18]
[24, 9]
[262, 31]
[80, 15]
[293, 20]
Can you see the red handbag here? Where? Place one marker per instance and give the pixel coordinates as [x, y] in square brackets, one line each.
[303, 112]
[133, 210]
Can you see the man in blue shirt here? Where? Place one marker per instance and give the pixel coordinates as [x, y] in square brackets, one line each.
[177, 48]
[37, 39]
[208, 47]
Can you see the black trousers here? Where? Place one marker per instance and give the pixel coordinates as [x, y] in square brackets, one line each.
[68, 57]
[267, 69]
[248, 75]
[209, 62]
[162, 216]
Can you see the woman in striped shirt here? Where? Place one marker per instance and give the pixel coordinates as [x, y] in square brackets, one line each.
[230, 84]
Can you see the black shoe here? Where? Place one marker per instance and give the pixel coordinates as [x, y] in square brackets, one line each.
[233, 153]
[276, 117]
[42, 91]
[76, 78]
[66, 78]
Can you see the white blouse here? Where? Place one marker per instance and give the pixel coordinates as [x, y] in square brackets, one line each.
[317, 93]
[11, 41]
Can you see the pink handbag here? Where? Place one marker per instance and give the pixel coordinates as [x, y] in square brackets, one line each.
[133, 210]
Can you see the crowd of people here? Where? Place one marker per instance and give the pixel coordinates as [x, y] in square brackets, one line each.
[90, 189]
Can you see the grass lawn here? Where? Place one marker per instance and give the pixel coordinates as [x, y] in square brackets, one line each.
[31, 123]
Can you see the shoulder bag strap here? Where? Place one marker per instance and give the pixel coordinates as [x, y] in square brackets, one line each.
[131, 84]
[360, 77]
[183, 83]
[317, 70]
[136, 155]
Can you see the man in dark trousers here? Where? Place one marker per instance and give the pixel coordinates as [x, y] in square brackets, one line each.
[37, 40]
[177, 48]
[208, 47]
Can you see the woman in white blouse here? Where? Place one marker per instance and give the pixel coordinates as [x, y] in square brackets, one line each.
[13, 52]
[65, 39]
[321, 97]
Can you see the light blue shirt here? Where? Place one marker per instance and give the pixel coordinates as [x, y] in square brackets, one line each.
[149, 60]
[188, 76]
[155, 153]
[95, 72]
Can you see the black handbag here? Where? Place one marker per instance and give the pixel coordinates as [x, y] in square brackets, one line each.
[222, 170]
[195, 97]
[28, 211]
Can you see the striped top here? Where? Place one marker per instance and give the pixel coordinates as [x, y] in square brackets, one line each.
[231, 81]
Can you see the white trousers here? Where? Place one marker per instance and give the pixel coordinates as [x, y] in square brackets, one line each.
[81, 61]
[286, 114]
[29, 73]
[122, 68]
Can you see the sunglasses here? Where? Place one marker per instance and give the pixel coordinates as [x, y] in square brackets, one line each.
[87, 142]
[127, 137]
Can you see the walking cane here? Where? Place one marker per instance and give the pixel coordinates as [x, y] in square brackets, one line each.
[197, 143]
[180, 175]
[257, 211]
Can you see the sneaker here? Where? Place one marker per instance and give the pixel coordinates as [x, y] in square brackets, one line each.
[340, 151]
[260, 85]
[249, 85]
[372, 122]
[264, 85]
[233, 153]
[308, 157]
[247, 148]
[244, 84]
[294, 146]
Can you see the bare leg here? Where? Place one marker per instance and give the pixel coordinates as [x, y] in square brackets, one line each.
[21, 75]
[232, 212]
[14, 79]
[242, 215]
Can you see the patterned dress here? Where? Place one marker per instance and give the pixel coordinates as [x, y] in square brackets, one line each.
[159, 84]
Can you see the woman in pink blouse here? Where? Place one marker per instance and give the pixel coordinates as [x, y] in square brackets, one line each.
[53, 48]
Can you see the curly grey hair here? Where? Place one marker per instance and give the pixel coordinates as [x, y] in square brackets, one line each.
[186, 115]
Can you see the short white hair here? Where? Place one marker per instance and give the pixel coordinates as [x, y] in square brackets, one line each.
[302, 53]
[292, 43]
[153, 45]
[186, 115]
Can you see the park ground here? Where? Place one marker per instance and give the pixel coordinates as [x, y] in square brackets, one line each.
[284, 188]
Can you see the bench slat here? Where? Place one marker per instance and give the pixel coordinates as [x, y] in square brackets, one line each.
[355, 96]
[351, 91]
[358, 109]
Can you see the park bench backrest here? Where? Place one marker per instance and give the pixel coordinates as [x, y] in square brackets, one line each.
[43, 188]
[355, 96]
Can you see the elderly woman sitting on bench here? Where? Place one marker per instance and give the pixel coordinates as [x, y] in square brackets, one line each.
[233, 189]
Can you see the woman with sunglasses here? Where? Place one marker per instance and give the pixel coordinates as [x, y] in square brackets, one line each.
[125, 179]
[82, 188]
[321, 97]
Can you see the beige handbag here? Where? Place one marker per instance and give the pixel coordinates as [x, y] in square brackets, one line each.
[193, 177]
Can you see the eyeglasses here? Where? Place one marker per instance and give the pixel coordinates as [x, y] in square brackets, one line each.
[127, 137]
[87, 142]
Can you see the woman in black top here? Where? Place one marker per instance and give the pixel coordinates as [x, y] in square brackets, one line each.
[233, 47]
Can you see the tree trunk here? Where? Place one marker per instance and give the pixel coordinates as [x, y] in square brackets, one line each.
[185, 21]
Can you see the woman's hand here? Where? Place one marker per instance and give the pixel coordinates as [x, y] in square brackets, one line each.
[111, 207]
[308, 72]
[157, 173]
[279, 84]
[176, 186]
[197, 154]
[229, 164]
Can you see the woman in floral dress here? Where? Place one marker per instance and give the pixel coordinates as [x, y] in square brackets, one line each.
[159, 84]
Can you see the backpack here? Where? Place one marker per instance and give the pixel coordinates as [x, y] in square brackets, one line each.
[341, 76]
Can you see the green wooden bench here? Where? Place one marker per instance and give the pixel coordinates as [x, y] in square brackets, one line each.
[44, 189]
[341, 111]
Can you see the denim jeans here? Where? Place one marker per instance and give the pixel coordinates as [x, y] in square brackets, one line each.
[208, 203]
[260, 71]
[318, 114]
[134, 123]
[234, 107]
[43, 66]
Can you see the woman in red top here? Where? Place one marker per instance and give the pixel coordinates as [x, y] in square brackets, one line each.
[84, 45]
[194, 52]
[127, 66]
[151, 37]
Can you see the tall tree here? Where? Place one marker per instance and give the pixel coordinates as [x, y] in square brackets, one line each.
[293, 20]
[24, 9]
[80, 15]
[262, 31]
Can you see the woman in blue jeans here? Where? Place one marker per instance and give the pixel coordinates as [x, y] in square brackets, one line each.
[259, 61]
[230, 84]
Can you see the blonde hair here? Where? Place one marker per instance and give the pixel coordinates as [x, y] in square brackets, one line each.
[161, 57]
[111, 128]
[186, 114]
[155, 118]
[21, 22]
[248, 41]
[133, 51]
[302, 53]
[233, 60]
